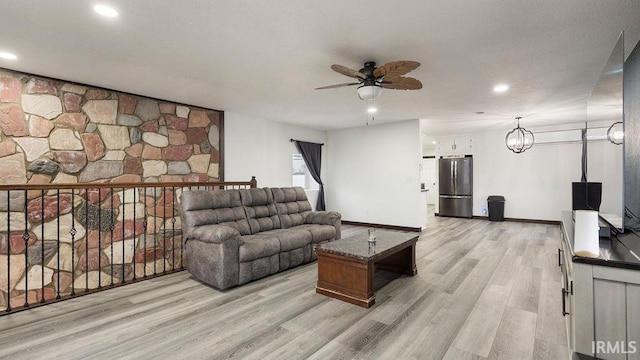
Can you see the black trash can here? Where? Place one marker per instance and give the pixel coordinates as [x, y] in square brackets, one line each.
[496, 207]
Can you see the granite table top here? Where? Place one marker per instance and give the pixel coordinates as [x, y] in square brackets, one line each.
[359, 247]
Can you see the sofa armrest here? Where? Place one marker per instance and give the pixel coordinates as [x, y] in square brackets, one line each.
[332, 218]
[216, 234]
[212, 255]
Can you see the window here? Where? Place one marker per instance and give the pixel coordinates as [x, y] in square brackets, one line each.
[300, 175]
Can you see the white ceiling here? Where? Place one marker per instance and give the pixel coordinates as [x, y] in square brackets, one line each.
[264, 58]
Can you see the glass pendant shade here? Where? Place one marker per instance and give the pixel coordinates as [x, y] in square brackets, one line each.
[519, 139]
[615, 134]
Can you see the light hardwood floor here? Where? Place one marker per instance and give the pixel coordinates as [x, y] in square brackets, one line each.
[484, 290]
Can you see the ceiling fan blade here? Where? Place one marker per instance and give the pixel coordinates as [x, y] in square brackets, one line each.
[401, 83]
[347, 71]
[395, 68]
[337, 86]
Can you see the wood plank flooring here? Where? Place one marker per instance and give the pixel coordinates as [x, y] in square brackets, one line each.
[484, 290]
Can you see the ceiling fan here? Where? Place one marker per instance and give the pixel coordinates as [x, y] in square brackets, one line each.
[373, 79]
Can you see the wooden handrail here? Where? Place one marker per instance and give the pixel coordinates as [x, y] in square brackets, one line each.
[251, 183]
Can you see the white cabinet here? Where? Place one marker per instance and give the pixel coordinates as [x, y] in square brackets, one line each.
[601, 305]
[455, 145]
[610, 313]
[577, 301]
[633, 318]
[616, 294]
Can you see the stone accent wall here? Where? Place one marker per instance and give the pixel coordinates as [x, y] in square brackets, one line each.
[52, 131]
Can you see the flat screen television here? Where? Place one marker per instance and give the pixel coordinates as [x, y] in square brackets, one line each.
[605, 105]
[632, 141]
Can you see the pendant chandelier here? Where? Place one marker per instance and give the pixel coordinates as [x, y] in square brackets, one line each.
[519, 139]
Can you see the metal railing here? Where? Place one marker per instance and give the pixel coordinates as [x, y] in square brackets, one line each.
[59, 241]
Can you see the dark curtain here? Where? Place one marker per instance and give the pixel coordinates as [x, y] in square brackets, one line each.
[584, 154]
[312, 155]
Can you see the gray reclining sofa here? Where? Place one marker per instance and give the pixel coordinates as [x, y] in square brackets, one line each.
[236, 236]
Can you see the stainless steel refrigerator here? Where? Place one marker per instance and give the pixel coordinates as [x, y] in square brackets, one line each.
[455, 177]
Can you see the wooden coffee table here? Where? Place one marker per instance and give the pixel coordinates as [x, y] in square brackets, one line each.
[346, 267]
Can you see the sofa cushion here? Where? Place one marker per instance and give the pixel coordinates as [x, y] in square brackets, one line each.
[318, 232]
[200, 207]
[291, 238]
[292, 205]
[295, 257]
[258, 246]
[258, 268]
[260, 210]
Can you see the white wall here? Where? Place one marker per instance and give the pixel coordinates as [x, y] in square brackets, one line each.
[428, 150]
[374, 175]
[537, 183]
[262, 148]
[371, 174]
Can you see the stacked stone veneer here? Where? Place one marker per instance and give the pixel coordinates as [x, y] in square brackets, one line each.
[58, 132]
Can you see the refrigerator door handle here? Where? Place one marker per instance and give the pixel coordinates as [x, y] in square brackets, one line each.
[455, 196]
[452, 170]
[453, 176]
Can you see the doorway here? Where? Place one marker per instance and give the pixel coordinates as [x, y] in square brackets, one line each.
[429, 171]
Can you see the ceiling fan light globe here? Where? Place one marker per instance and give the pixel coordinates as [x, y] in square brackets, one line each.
[369, 92]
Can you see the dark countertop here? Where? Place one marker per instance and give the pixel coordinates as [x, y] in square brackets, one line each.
[618, 251]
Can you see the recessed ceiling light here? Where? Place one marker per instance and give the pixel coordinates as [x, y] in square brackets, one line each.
[501, 88]
[434, 142]
[105, 10]
[8, 56]
[372, 110]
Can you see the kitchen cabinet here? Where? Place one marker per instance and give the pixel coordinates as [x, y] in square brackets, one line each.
[455, 145]
[577, 301]
[633, 317]
[600, 300]
[617, 312]
[610, 315]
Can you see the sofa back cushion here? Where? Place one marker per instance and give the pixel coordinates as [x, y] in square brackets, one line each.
[260, 210]
[206, 207]
[292, 205]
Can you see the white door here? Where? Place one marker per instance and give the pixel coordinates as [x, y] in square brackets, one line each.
[429, 168]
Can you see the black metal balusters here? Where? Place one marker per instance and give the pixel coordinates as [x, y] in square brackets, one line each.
[8, 250]
[155, 242]
[124, 210]
[41, 244]
[37, 205]
[112, 221]
[135, 220]
[73, 232]
[99, 237]
[173, 227]
[25, 237]
[144, 228]
[58, 243]
[86, 241]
